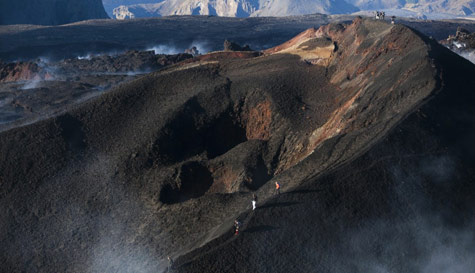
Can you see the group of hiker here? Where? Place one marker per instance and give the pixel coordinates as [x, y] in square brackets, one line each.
[237, 223]
[380, 15]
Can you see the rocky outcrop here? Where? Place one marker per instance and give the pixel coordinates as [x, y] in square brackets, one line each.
[123, 12]
[23, 71]
[232, 46]
[462, 43]
[132, 61]
[50, 12]
[193, 51]
[462, 39]
[110, 5]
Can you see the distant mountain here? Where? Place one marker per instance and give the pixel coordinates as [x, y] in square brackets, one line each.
[110, 5]
[455, 7]
[297, 7]
[49, 12]
[122, 9]
[233, 8]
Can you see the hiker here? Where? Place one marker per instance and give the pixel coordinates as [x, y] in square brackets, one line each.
[392, 19]
[383, 14]
[170, 263]
[277, 188]
[254, 201]
[237, 225]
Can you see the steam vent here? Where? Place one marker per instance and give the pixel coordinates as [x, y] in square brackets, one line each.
[368, 127]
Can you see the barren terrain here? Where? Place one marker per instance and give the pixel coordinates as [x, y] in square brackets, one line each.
[368, 127]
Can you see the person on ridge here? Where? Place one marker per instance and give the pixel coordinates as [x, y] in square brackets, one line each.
[170, 263]
[254, 201]
[237, 225]
[277, 188]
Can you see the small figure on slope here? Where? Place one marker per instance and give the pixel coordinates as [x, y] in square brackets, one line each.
[277, 188]
[254, 201]
[170, 264]
[237, 226]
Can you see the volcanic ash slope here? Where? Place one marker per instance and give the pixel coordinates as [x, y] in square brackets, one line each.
[164, 164]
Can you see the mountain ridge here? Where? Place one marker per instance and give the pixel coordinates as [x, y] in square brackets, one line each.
[246, 8]
[235, 8]
[54, 12]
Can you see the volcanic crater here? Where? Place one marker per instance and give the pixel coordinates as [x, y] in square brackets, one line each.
[163, 164]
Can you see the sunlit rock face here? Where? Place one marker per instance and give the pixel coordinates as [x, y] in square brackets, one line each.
[123, 9]
[49, 12]
[233, 8]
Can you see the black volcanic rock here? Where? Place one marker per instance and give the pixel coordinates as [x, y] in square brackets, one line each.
[232, 46]
[406, 204]
[462, 43]
[50, 12]
[344, 117]
[34, 90]
[193, 51]
[464, 36]
[22, 71]
[132, 61]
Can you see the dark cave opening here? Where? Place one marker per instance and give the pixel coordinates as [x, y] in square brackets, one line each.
[259, 176]
[193, 181]
[224, 134]
[192, 132]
